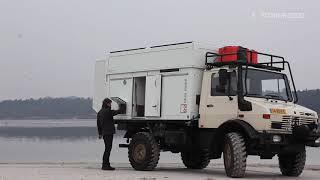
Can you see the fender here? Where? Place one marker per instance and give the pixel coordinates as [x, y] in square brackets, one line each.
[240, 126]
[235, 125]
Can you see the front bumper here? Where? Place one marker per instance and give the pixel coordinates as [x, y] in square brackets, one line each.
[308, 135]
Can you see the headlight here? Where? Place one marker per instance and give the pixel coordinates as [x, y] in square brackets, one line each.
[276, 138]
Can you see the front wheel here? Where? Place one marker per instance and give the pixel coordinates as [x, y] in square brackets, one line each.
[144, 152]
[234, 155]
[292, 164]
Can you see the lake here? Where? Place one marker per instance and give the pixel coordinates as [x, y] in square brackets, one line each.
[74, 141]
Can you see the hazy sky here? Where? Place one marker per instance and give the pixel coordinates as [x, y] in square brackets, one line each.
[48, 47]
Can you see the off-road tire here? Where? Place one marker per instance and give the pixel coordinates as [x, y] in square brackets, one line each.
[292, 164]
[234, 155]
[195, 159]
[150, 153]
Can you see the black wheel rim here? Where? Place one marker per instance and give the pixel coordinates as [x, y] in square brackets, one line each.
[139, 153]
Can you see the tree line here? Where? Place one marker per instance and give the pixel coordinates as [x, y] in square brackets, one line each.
[47, 108]
[310, 99]
[78, 107]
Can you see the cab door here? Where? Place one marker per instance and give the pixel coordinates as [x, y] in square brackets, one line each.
[220, 99]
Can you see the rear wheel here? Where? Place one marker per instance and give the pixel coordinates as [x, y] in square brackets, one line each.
[143, 152]
[195, 159]
[234, 155]
[292, 164]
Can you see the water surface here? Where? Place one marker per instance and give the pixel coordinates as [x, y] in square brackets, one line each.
[56, 141]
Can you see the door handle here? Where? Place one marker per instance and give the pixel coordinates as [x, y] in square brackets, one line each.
[154, 106]
[210, 105]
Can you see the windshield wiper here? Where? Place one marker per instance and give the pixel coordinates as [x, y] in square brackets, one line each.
[267, 96]
[274, 96]
[252, 94]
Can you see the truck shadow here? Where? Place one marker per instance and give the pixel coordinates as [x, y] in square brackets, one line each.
[220, 173]
[209, 173]
[170, 171]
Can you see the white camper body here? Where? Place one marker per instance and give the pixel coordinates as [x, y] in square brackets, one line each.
[160, 82]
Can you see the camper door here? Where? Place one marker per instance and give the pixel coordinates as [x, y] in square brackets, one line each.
[153, 96]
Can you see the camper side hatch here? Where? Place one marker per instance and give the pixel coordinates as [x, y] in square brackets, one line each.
[153, 96]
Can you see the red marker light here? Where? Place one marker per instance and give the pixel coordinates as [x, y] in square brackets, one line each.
[266, 116]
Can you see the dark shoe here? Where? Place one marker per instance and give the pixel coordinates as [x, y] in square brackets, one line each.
[109, 168]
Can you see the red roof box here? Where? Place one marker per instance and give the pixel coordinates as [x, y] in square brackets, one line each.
[237, 53]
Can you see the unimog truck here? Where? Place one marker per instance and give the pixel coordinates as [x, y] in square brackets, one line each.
[206, 103]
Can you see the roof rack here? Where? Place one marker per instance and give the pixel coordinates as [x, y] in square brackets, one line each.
[264, 65]
[243, 62]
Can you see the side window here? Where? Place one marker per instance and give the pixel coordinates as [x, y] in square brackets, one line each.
[215, 89]
[219, 90]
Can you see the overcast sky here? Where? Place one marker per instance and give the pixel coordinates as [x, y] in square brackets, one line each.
[48, 47]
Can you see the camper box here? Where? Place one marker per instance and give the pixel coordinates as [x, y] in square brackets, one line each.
[160, 82]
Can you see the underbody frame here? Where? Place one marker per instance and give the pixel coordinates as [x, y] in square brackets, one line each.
[178, 135]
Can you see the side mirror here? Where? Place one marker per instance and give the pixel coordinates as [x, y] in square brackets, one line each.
[244, 105]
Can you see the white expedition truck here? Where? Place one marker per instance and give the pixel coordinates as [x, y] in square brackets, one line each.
[183, 98]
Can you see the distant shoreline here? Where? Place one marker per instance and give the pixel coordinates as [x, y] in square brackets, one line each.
[77, 108]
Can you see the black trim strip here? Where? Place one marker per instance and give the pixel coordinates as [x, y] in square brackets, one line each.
[127, 50]
[276, 125]
[152, 47]
[117, 121]
[172, 44]
[169, 70]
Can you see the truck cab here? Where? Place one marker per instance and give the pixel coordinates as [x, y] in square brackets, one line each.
[273, 103]
[255, 104]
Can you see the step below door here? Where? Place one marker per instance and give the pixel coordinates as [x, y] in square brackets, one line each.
[153, 96]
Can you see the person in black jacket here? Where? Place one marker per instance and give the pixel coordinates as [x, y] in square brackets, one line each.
[106, 130]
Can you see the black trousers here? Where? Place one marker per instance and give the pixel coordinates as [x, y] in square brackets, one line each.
[108, 146]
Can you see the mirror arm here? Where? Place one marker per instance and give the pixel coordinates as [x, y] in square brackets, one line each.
[243, 104]
[229, 88]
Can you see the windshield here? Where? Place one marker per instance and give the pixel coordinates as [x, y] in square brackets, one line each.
[265, 84]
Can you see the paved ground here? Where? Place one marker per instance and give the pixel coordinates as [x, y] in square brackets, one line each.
[84, 171]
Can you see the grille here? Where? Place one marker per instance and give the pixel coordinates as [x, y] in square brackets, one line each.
[288, 122]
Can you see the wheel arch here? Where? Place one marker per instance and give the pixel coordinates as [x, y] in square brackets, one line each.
[132, 128]
[131, 132]
[240, 126]
[236, 125]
